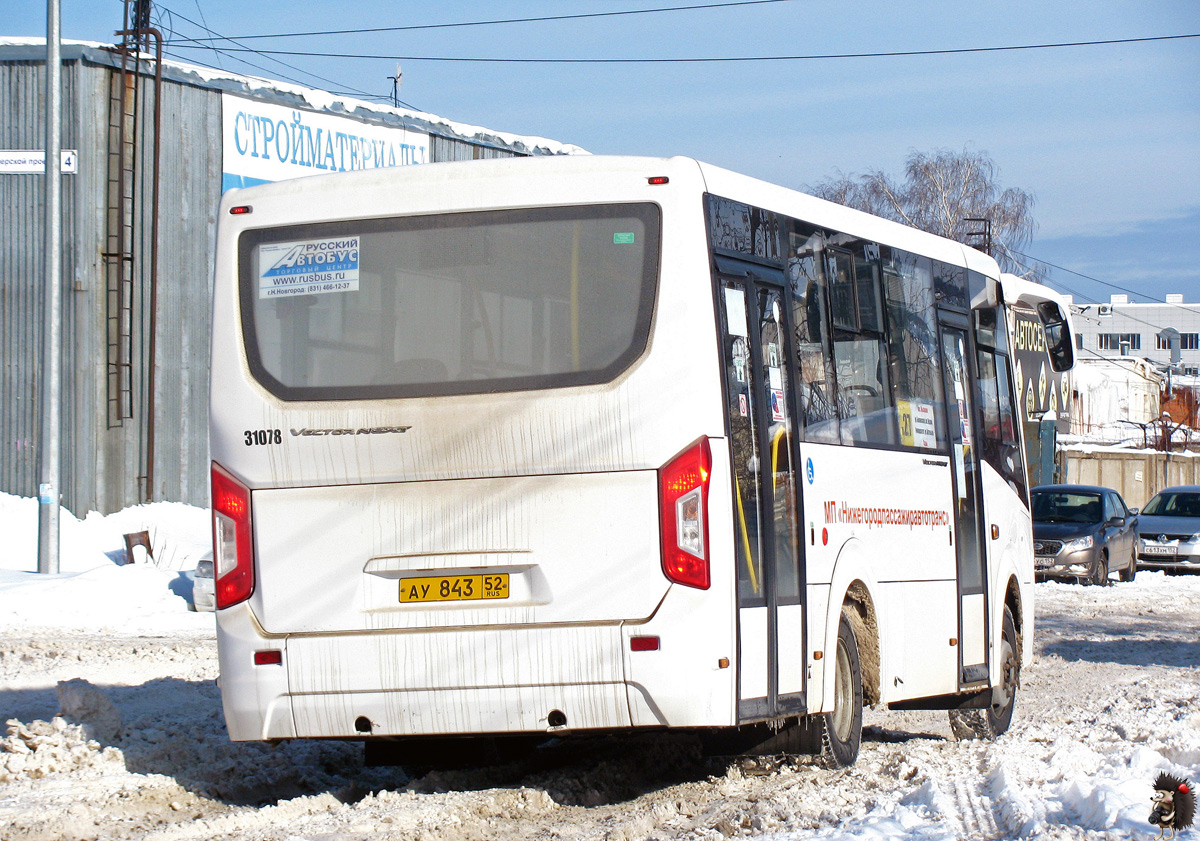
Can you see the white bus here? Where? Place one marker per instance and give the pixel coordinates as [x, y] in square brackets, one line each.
[586, 444]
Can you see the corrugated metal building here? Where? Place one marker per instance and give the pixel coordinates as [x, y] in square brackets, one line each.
[135, 427]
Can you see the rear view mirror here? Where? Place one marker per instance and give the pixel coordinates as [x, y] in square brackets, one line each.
[1058, 336]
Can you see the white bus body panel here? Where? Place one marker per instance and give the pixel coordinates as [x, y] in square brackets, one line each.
[577, 548]
[556, 487]
[858, 528]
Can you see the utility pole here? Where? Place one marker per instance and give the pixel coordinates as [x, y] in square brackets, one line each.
[48, 488]
[396, 86]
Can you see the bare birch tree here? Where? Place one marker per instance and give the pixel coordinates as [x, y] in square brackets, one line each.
[940, 192]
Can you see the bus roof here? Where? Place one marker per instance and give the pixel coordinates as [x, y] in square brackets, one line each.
[708, 177]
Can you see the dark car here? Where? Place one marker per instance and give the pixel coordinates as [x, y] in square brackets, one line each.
[1169, 530]
[1083, 532]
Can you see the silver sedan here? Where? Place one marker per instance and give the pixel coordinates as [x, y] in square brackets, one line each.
[1169, 530]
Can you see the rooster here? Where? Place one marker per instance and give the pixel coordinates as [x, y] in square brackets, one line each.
[1174, 804]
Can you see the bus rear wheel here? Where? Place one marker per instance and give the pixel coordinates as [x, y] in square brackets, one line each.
[991, 722]
[841, 729]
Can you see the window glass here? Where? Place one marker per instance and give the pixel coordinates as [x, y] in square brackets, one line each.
[1113, 341]
[867, 291]
[842, 289]
[773, 345]
[1066, 507]
[1110, 507]
[814, 361]
[989, 401]
[449, 304]
[863, 400]
[950, 285]
[1008, 425]
[1176, 504]
[734, 226]
[912, 353]
[990, 329]
[1000, 447]
[1187, 341]
[865, 404]
[742, 388]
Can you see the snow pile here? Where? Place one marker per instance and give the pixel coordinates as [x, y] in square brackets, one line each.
[97, 587]
[41, 748]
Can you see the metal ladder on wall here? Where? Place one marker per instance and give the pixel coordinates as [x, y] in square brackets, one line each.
[119, 254]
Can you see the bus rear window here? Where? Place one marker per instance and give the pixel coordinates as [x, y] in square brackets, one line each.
[449, 304]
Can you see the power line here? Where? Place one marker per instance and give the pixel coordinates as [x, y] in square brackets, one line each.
[204, 24]
[506, 20]
[1088, 277]
[1114, 360]
[712, 60]
[1164, 302]
[228, 52]
[1079, 295]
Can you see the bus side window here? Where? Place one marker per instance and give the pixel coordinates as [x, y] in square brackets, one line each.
[1000, 448]
[912, 352]
[806, 274]
[864, 401]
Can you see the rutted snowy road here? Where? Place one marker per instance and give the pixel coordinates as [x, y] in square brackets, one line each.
[1112, 700]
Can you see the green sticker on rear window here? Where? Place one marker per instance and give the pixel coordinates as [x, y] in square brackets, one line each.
[623, 239]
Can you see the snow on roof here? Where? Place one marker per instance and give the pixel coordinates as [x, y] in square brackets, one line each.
[315, 98]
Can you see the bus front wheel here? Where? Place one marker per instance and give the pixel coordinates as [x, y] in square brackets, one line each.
[990, 723]
[841, 730]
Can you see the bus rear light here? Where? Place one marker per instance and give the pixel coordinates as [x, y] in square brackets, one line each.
[268, 657]
[683, 499]
[658, 180]
[643, 643]
[232, 556]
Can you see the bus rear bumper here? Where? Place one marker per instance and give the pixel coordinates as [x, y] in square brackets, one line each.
[443, 682]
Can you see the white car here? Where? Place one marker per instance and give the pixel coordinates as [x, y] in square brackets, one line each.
[204, 589]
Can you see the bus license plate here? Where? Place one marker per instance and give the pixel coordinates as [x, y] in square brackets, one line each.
[454, 588]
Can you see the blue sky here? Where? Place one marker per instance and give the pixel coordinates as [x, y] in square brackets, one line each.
[1106, 137]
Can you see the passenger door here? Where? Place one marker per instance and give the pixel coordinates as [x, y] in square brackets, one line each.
[968, 508]
[758, 386]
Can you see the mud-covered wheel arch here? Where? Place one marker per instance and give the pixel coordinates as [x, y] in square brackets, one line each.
[860, 610]
[1012, 600]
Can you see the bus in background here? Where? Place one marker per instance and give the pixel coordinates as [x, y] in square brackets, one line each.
[586, 444]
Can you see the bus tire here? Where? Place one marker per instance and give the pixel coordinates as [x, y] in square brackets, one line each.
[841, 729]
[991, 722]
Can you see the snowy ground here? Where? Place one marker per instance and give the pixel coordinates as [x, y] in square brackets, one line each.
[140, 752]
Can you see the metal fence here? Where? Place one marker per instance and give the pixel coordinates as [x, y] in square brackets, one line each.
[1136, 474]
